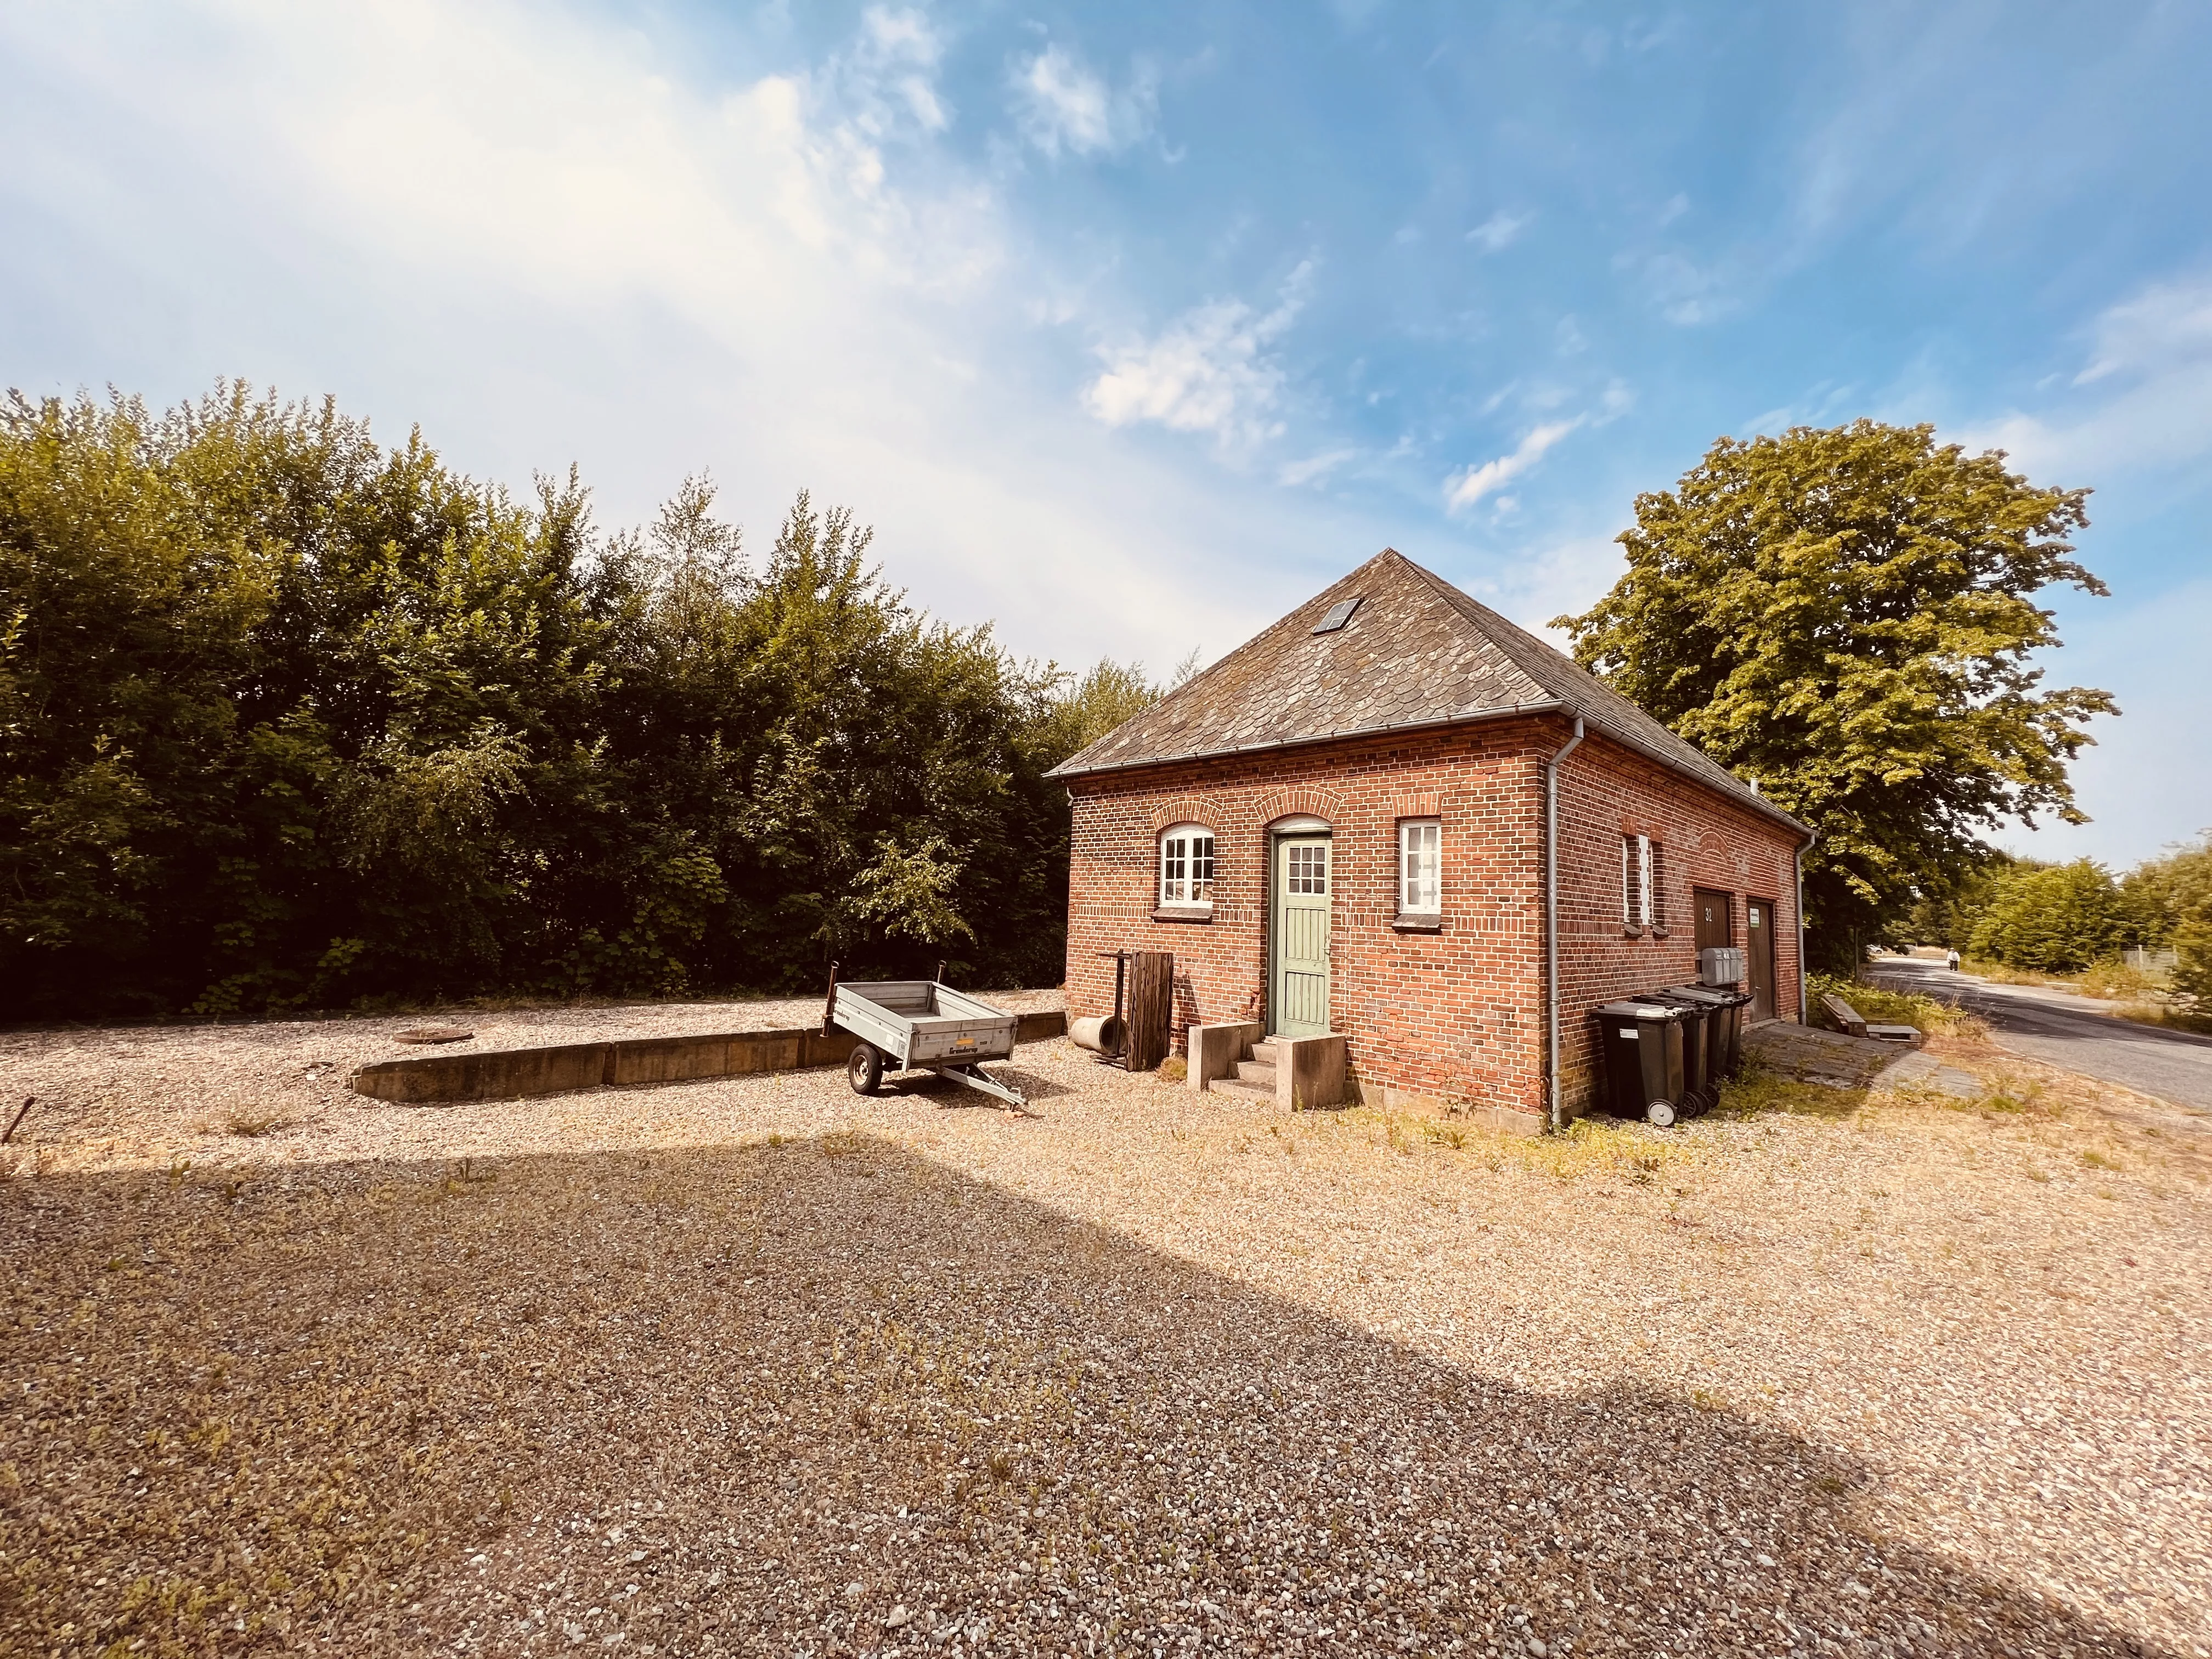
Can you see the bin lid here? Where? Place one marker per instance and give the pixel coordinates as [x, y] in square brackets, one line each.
[1712, 993]
[1689, 1006]
[1657, 1010]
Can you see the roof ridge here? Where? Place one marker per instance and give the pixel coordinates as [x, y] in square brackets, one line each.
[1551, 665]
[1417, 653]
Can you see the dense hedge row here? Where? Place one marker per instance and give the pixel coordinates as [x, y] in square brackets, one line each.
[288, 719]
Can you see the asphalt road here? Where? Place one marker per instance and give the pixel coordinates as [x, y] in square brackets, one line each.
[2079, 1033]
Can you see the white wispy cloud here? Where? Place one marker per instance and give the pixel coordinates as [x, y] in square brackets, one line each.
[1061, 103]
[1313, 468]
[1559, 578]
[1209, 371]
[1685, 292]
[1464, 489]
[2142, 399]
[518, 227]
[1500, 230]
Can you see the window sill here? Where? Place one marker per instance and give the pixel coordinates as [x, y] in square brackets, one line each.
[1662, 933]
[1183, 913]
[1626, 932]
[1418, 924]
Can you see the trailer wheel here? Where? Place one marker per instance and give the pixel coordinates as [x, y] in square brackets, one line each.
[1660, 1114]
[865, 1070]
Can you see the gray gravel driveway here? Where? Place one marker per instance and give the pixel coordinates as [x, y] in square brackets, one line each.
[755, 1366]
[2079, 1033]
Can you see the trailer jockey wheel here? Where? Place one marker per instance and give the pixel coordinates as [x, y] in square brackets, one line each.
[1660, 1113]
[865, 1070]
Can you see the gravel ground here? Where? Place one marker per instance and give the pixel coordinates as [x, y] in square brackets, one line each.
[755, 1366]
[109, 1093]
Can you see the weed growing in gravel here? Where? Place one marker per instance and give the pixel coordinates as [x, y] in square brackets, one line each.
[1591, 1146]
[253, 1124]
[1757, 1092]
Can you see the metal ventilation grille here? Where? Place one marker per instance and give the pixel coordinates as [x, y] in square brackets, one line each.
[1339, 614]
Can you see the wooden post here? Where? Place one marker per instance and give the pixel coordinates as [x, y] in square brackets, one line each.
[1151, 1008]
[830, 1008]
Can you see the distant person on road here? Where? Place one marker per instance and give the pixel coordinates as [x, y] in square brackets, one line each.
[1952, 961]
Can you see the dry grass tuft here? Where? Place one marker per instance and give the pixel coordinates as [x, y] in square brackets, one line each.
[1757, 1092]
[251, 1126]
[2174, 1019]
[1591, 1146]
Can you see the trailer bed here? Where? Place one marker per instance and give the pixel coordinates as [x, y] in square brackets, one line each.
[918, 1024]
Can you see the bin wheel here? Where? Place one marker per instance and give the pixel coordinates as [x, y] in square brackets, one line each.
[1660, 1114]
[865, 1070]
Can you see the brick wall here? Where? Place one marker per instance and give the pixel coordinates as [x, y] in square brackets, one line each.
[1455, 1016]
[1607, 791]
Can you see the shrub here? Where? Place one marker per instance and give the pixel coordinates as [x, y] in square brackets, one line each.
[2057, 918]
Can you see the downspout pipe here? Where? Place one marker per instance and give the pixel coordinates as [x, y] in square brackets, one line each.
[1813, 835]
[1552, 926]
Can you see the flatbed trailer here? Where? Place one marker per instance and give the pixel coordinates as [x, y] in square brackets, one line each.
[918, 1024]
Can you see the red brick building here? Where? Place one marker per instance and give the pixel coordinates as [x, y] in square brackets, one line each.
[1341, 828]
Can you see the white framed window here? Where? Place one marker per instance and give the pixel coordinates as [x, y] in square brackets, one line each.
[1309, 870]
[1639, 881]
[1187, 865]
[1421, 867]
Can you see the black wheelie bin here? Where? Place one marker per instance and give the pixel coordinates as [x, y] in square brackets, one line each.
[1701, 1079]
[1642, 1042]
[1726, 1025]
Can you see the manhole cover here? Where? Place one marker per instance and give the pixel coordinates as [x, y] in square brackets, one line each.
[437, 1034]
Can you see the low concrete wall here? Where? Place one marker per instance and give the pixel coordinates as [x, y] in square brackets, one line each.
[517, 1074]
[1309, 1073]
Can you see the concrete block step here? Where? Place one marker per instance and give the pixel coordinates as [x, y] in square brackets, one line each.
[1230, 1085]
[1265, 1052]
[1257, 1072]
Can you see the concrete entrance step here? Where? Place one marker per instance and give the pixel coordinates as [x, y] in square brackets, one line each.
[1265, 1053]
[1230, 1085]
[1262, 1073]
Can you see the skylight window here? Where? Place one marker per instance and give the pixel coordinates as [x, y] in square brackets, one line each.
[1339, 614]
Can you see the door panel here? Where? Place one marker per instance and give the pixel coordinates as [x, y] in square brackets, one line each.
[1298, 1002]
[1714, 926]
[1759, 929]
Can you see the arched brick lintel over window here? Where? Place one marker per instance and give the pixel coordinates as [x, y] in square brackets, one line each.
[1184, 809]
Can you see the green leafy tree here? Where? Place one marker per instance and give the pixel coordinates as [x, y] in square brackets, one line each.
[1847, 616]
[1944, 912]
[2169, 902]
[289, 719]
[2053, 918]
[1111, 694]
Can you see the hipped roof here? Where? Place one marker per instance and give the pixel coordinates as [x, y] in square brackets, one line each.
[1416, 652]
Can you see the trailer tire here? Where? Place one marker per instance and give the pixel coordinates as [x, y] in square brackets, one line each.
[865, 1070]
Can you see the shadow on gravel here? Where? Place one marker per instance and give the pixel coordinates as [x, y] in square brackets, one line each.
[827, 1397]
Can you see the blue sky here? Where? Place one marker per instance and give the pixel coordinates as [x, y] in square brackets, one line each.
[1131, 326]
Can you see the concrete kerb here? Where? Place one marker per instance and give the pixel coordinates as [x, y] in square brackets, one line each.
[519, 1073]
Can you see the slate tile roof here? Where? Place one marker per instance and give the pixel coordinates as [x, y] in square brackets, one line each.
[1417, 653]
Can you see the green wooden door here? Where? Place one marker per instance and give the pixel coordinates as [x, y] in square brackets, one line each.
[1299, 1003]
